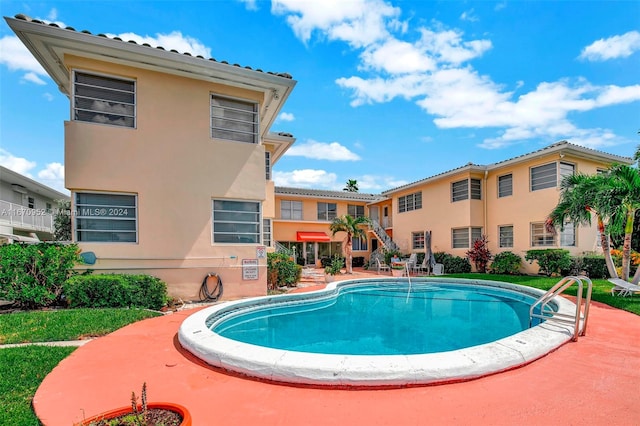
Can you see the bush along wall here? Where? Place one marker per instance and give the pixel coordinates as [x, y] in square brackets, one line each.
[452, 264]
[116, 291]
[550, 261]
[33, 275]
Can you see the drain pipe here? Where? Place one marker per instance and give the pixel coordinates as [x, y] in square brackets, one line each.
[484, 202]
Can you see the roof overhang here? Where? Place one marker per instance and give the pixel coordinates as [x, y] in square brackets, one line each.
[49, 44]
[14, 178]
[281, 142]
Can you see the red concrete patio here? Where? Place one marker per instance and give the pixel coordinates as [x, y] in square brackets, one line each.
[595, 381]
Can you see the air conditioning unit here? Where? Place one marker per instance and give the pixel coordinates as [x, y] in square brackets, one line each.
[19, 188]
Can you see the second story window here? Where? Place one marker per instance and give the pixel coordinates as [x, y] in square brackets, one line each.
[410, 202]
[326, 211]
[505, 185]
[355, 210]
[104, 100]
[460, 190]
[267, 164]
[31, 202]
[291, 210]
[234, 120]
[546, 176]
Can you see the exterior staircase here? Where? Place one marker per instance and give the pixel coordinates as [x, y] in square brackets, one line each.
[382, 236]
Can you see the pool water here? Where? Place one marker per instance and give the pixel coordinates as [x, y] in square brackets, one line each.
[385, 320]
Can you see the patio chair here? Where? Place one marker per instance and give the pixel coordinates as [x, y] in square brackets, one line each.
[623, 288]
[383, 266]
[438, 269]
[411, 262]
[421, 267]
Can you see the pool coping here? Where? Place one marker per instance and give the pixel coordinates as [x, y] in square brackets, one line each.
[303, 368]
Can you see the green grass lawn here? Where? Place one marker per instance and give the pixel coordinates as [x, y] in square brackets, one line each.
[65, 324]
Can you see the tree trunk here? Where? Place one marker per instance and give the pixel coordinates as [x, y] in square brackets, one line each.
[604, 241]
[626, 246]
[349, 252]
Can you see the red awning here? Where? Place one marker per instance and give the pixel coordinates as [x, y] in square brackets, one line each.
[312, 236]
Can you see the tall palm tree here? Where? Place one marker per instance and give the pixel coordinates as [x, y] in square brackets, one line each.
[352, 186]
[582, 196]
[353, 227]
[625, 188]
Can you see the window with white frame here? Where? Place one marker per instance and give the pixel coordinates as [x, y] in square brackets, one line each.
[463, 189]
[568, 235]
[267, 164]
[359, 244]
[236, 222]
[327, 211]
[410, 202]
[291, 210]
[546, 175]
[266, 232]
[505, 185]
[506, 235]
[104, 100]
[31, 202]
[464, 237]
[541, 237]
[234, 120]
[417, 240]
[106, 217]
[355, 211]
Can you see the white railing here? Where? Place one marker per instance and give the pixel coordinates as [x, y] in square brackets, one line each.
[24, 218]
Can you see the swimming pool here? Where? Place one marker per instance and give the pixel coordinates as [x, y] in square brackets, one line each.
[377, 332]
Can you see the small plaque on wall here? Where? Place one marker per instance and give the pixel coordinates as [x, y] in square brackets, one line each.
[249, 269]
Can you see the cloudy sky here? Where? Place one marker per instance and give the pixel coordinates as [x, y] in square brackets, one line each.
[388, 92]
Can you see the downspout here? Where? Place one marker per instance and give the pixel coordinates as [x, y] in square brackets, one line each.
[484, 201]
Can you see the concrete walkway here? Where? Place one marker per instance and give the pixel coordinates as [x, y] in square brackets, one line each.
[592, 382]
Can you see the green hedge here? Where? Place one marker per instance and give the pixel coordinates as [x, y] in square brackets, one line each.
[595, 267]
[282, 271]
[506, 262]
[452, 264]
[115, 291]
[32, 275]
[550, 261]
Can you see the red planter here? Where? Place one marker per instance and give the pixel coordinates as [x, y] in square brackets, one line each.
[186, 416]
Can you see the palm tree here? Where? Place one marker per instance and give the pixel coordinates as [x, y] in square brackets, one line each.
[582, 196]
[352, 186]
[625, 188]
[352, 226]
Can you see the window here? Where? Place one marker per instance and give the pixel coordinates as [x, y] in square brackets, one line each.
[460, 190]
[505, 185]
[417, 240]
[546, 176]
[104, 100]
[410, 202]
[236, 221]
[540, 237]
[568, 235]
[506, 235]
[267, 164]
[355, 211]
[234, 120]
[463, 237]
[48, 207]
[106, 217]
[266, 232]
[291, 210]
[31, 202]
[326, 211]
[360, 244]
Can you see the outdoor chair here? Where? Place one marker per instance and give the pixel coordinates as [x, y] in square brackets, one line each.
[411, 262]
[424, 266]
[438, 269]
[623, 288]
[383, 266]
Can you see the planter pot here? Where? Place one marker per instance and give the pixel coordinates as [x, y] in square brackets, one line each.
[329, 278]
[186, 416]
[397, 272]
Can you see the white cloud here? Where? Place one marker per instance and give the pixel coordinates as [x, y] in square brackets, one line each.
[33, 78]
[306, 178]
[17, 164]
[17, 57]
[500, 6]
[53, 14]
[469, 15]
[378, 183]
[322, 151]
[619, 46]
[53, 175]
[286, 116]
[172, 41]
[48, 96]
[250, 4]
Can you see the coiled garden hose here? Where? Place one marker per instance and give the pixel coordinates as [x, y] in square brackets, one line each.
[208, 294]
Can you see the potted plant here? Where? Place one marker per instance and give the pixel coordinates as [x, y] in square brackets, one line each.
[397, 270]
[142, 414]
[333, 268]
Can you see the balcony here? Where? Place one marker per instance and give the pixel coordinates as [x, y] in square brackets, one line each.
[23, 218]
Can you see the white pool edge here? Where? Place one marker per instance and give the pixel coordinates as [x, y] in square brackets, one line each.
[372, 370]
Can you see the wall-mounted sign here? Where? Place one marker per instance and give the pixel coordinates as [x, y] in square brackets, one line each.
[261, 252]
[249, 269]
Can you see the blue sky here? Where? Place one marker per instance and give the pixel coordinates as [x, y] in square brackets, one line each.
[388, 92]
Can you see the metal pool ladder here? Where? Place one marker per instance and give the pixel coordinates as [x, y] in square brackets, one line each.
[579, 320]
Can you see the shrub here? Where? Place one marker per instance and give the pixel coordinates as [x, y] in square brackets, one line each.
[115, 291]
[480, 254]
[334, 267]
[550, 261]
[282, 271]
[595, 266]
[506, 262]
[326, 261]
[453, 264]
[33, 274]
